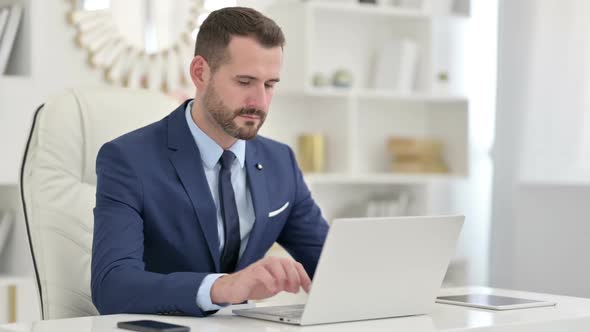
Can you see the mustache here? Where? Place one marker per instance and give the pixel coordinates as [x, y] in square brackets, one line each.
[250, 111]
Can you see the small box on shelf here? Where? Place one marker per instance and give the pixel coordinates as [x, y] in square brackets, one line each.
[414, 155]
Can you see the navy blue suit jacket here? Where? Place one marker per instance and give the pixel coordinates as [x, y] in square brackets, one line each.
[155, 226]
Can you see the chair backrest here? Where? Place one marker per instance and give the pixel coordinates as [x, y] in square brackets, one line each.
[58, 185]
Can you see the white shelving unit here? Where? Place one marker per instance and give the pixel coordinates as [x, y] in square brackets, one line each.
[15, 88]
[323, 36]
[20, 93]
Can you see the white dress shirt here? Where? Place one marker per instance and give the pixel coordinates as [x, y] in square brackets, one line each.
[210, 153]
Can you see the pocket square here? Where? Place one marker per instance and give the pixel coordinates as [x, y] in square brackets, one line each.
[276, 212]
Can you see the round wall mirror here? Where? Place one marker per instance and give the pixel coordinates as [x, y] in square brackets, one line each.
[141, 43]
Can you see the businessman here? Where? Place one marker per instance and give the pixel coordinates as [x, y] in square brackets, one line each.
[187, 207]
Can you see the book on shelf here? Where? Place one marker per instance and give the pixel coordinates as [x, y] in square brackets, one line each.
[396, 66]
[9, 32]
[413, 4]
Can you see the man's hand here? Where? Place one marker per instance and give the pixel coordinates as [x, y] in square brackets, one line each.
[261, 280]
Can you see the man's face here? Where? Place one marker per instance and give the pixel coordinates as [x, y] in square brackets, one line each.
[239, 93]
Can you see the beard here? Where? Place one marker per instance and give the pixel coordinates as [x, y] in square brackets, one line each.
[225, 117]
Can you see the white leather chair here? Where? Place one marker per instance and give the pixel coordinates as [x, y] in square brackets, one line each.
[58, 184]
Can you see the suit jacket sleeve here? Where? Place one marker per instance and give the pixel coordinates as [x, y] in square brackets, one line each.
[119, 282]
[305, 230]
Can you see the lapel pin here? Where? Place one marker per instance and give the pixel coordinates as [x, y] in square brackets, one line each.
[259, 167]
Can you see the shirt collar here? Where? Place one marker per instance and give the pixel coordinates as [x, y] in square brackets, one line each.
[209, 149]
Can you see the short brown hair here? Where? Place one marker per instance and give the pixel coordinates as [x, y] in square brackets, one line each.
[216, 31]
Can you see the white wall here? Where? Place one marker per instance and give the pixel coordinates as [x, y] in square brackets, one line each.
[557, 100]
[540, 229]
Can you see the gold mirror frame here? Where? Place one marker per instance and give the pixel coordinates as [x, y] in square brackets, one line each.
[128, 65]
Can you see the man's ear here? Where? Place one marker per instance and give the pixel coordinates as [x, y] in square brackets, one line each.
[200, 72]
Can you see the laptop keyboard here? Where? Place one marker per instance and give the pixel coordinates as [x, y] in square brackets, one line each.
[288, 311]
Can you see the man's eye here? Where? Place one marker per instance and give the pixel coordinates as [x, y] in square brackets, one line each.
[269, 86]
[244, 82]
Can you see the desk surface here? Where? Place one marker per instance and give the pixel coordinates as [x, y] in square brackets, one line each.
[571, 314]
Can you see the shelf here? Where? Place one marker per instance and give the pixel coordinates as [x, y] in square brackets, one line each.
[371, 94]
[22, 80]
[413, 96]
[370, 9]
[388, 11]
[378, 178]
[11, 280]
[329, 92]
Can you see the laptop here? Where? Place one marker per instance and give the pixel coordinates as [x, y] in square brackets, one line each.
[374, 268]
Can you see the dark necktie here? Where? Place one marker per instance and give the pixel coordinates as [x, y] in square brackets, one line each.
[229, 213]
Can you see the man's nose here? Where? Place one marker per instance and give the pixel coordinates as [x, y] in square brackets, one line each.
[258, 98]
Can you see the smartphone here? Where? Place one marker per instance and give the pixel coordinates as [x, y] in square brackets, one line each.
[152, 326]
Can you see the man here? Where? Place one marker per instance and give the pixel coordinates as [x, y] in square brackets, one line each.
[187, 207]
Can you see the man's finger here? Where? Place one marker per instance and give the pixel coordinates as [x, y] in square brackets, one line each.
[293, 279]
[275, 268]
[303, 277]
[263, 276]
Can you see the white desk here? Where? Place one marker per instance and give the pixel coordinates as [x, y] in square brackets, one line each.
[571, 315]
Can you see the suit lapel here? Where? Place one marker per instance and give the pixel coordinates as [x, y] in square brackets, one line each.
[260, 199]
[184, 155]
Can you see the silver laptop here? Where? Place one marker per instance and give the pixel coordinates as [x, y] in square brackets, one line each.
[374, 268]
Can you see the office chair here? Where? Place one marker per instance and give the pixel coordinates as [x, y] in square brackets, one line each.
[58, 185]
